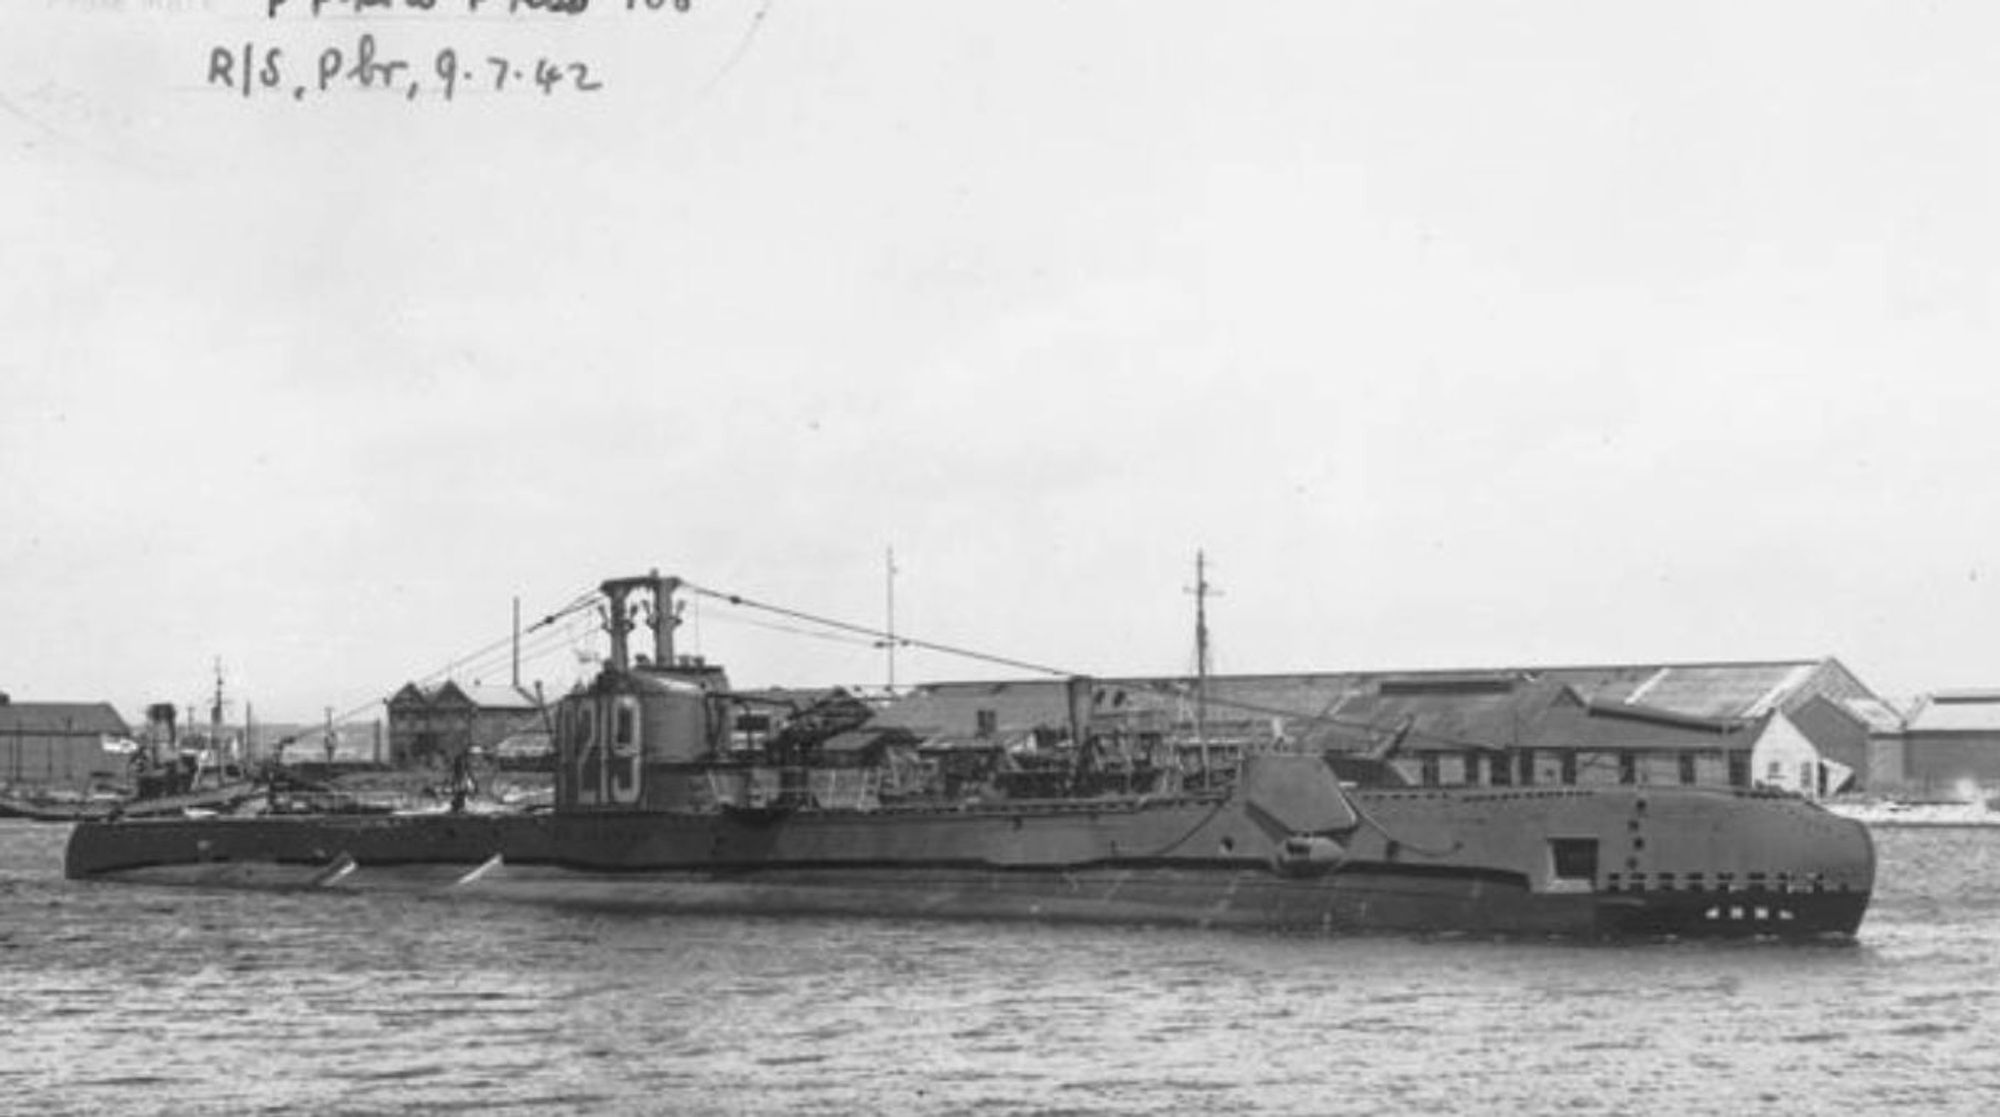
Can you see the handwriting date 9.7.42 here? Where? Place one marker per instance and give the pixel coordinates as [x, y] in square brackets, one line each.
[249, 70]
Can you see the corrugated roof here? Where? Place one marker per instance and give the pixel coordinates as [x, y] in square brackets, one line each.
[1605, 726]
[1956, 712]
[1471, 705]
[486, 696]
[1733, 690]
[43, 718]
[1440, 718]
[501, 697]
[1877, 714]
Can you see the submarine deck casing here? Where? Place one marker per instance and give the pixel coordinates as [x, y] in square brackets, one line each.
[1660, 861]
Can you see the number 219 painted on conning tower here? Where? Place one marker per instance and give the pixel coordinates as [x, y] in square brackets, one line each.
[603, 753]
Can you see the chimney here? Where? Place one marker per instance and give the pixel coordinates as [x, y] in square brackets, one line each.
[1078, 692]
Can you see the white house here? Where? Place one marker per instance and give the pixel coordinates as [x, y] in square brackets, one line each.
[1782, 757]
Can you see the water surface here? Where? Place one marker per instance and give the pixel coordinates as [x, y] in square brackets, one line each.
[122, 999]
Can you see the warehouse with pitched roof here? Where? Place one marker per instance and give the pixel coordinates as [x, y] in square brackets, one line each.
[1742, 723]
[1949, 747]
[61, 745]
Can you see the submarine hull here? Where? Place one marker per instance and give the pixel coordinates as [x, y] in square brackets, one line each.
[1613, 863]
[1351, 903]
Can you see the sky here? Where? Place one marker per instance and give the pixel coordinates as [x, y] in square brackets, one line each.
[1456, 334]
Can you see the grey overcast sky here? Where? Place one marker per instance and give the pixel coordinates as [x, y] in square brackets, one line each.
[1458, 333]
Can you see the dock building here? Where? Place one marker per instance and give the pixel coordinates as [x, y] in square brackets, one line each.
[1786, 724]
[432, 725]
[1946, 748]
[62, 745]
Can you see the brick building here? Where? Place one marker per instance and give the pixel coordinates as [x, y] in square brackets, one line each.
[430, 726]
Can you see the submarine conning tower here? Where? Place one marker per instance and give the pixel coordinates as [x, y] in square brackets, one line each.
[656, 594]
[623, 740]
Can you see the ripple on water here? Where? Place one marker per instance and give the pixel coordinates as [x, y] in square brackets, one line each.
[115, 998]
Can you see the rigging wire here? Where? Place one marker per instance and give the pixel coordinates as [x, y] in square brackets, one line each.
[852, 634]
[480, 654]
[496, 652]
[546, 651]
[834, 637]
[586, 599]
[533, 648]
[1401, 732]
[1179, 690]
[874, 634]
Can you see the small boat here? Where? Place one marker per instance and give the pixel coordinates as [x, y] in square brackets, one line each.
[46, 810]
[222, 798]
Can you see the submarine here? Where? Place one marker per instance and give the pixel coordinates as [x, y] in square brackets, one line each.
[659, 807]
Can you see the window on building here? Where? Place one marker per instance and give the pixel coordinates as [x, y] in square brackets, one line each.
[1628, 767]
[1687, 767]
[1739, 769]
[1427, 770]
[1501, 770]
[988, 722]
[1472, 768]
[1569, 766]
[1527, 766]
[1774, 772]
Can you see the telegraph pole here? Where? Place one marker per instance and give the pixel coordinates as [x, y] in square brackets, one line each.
[891, 642]
[215, 708]
[330, 741]
[888, 642]
[1201, 644]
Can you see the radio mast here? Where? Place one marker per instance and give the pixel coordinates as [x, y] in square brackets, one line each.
[1201, 592]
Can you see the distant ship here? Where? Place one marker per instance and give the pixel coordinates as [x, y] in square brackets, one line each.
[171, 774]
[654, 810]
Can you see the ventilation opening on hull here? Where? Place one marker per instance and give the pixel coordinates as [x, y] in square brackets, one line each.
[1574, 858]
